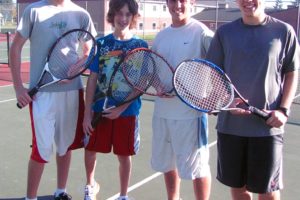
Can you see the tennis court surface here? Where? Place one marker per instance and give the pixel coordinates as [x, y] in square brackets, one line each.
[145, 183]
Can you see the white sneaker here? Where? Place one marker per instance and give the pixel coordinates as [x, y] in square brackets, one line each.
[124, 198]
[90, 192]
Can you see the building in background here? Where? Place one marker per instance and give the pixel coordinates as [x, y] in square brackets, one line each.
[154, 14]
[214, 18]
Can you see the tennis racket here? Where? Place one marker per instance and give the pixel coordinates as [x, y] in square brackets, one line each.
[67, 58]
[205, 87]
[118, 92]
[141, 71]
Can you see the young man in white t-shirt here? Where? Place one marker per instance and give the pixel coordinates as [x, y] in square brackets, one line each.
[180, 135]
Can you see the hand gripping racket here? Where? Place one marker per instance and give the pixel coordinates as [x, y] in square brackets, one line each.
[205, 87]
[68, 57]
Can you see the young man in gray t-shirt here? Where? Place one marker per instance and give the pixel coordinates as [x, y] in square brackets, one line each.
[261, 56]
[56, 111]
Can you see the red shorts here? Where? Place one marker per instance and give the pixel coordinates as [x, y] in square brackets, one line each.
[121, 134]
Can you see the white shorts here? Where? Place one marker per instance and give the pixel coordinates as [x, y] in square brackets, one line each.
[55, 118]
[181, 145]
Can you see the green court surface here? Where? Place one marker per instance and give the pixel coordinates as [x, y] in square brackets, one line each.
[145, 183]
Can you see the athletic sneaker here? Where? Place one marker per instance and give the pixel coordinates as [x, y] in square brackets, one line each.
[63, 196]
[124, 198]
[90, 192]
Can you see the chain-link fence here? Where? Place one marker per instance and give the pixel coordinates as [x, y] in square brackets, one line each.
[8, 16]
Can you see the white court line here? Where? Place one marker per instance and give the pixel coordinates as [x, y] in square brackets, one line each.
[148, 179]
[8, 100]
[2, 86]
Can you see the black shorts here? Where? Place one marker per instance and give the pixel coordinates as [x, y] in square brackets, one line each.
[253, 162]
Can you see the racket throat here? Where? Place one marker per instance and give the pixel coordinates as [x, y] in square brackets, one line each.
[33, 91]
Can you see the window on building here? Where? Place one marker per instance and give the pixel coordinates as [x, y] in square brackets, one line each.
[141, 6]
[154, 26]
[141, 26]
[164, 8]
[154, 8]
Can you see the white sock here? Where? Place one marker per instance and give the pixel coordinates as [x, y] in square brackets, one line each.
[30, 199]
[58, 191]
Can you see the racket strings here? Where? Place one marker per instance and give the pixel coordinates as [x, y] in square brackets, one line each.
[162, 81]
[148, 72]
[202, 86]
[67, 59]
[138, 69]
[120, 91]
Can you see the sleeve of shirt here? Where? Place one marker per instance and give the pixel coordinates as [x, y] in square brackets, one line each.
[144, 44]
[207, 36]
[292, 53]
[89, 25]
[94, 66]
[215, 53]
[26, 23]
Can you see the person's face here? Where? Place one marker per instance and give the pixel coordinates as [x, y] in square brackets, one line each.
[123, 18]
[251, 8]
[179, 10]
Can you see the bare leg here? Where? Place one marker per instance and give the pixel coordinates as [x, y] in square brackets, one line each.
[35, 171]
[90, 161]
[172, 182]
[202, 188]
[63, 166]
[240, 194]
[124, 172]
[270, 196]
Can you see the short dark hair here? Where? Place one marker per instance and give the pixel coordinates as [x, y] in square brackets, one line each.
[117, 5]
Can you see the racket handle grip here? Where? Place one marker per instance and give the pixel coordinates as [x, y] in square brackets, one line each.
[96, 119]
[31, 93]
[19, 106]
[259, 113]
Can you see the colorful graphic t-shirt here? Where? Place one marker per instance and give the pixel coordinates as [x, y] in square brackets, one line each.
[109, 53]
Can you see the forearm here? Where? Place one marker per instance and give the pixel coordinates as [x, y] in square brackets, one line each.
[15, 60]
[90, 91]
[15, 67]
[289, 89]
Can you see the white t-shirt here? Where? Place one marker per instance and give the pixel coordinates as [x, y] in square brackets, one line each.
[42, 23]
[176, 45]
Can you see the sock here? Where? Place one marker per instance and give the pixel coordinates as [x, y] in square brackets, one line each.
[58, 191]
[123, 197]
[30, 199]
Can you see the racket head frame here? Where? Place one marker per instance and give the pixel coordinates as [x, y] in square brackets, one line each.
[90, 58]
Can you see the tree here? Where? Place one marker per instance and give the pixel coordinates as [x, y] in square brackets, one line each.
[296, 2]
[6, 1]
[278, 4]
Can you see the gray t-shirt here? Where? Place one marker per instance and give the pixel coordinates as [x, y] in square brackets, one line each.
[256, 59]
[43, 23]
